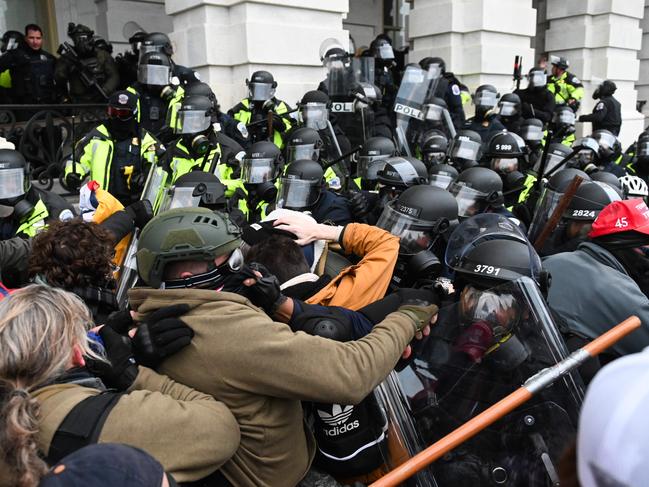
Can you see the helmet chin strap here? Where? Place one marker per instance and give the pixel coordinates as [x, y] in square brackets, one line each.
[212, 279]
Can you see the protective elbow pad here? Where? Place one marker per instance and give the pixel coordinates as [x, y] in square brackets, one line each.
[324, 322]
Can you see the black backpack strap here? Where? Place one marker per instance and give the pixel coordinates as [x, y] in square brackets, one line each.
[82, 425]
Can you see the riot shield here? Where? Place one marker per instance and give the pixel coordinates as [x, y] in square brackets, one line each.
[481, 349]
[544, 207]
[409, 103]
[128, 276]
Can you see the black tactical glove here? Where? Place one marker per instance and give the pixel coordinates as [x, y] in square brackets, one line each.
[73, 182]
[420, 313]
[162, 334]
[358, 205]
[121, 370]
[278, 124]
[141, 212]
[266, 293]
[137, 182]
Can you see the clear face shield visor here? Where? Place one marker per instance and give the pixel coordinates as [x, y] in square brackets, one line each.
[180, 197]
[441, 180]
[465, 149]
[606, 141]
[564, 117]
[314, 115]
[297, 194]
[261, 91]
[414, 234]
[504, 165]
[12, 183]
[498, 310]
[434, 113]
[470, 202]
[485, 99]
[507, 108]
[304, 151]
[255, 171]
[532, 133]
[537, 79]
[152, 75]
[643, 148]
[386, 52]
[369, 166]
[552, 162]
[191, 122]
[12, 43]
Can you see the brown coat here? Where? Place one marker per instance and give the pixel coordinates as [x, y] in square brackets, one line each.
[189, 432]
[361, 284]
[262, 370]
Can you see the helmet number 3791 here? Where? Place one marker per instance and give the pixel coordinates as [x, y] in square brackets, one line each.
[487, 269]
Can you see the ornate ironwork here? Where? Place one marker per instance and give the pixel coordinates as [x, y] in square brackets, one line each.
[46, 134]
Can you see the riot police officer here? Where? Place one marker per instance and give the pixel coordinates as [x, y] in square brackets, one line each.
[479, 190]
[448, 88]
[607, 114]
[302, 188]
[255, 196]
[509, 112]
[253, 111]
[485, 122]
[423, 218]
[565, 86]
[30, 69]
[85, 74]
[505, 154]
[127, 61]
[537, 101]
[433, 147]
[563, 126]
[25, 209]
[371, 159]
[117, 154]
[160, 42]
[465, 150]
[442, 176]
[610, 150]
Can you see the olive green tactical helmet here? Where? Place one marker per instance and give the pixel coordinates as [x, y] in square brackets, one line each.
[183, 234]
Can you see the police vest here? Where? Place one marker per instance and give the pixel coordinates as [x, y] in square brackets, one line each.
[245, 115]
[35, 221]
[95, 157]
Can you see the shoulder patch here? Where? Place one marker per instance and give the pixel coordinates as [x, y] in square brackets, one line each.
[455, 89]
[599, 106]
[575, 80]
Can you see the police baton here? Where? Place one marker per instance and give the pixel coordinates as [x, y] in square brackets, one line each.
[532, 386]
[562, 206]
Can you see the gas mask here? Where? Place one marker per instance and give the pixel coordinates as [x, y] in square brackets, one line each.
[227, 277]
[489, 319]
[198, 144]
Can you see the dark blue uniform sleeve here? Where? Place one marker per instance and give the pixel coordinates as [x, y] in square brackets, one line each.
[454, 101]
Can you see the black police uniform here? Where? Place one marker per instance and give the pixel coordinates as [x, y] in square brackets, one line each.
[607, 115]
[32, 74]
[449, 91]
[537, 102]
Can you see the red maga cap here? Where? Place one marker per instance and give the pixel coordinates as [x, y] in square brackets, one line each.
[622, 216]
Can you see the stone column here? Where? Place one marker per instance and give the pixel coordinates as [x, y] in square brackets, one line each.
[227, 40]
[601, 39]
[478, 39]
[642, 85]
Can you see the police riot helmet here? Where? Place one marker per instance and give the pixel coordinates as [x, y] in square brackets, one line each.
[202, 89]
[426, 63]
[262, 163]
[196, 189]
[301, 185]
[537, 78]
[485, 98]
[509, 105]
[504, 151]
[563, 116]
[557, 152]
[82, 36]
[418, 216]
[261, 86]
[442, 176]
[559, 62]
[607, 178]
[532, 132]
[434, 109]
[156, 42]
[381, 47]
[633, 187]
[11, 40]
[303, 143]
[372, 158]
[589, 200]
[642, 151]
[477, 190]
[609, 145]
[136, 40]
[194, 115]
[465, 149]
[561, 179]
[185, 234]
[433, 146]
[607, 88]
[314, 109]
[402, 172]
[154, 69]
[14, 179]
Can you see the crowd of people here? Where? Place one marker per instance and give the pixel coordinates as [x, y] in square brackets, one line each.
[310, 296]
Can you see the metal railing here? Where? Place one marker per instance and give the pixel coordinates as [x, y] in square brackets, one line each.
[46, 134]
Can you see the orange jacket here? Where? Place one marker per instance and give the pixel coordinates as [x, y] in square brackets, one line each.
[361, 284]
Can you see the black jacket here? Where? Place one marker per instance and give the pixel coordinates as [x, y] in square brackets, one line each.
[607, 115]
[537, 103]
[32, 75]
